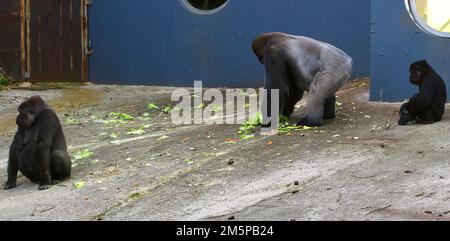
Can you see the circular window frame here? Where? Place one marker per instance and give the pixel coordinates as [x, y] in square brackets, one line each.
[197, 11]
[412, 10]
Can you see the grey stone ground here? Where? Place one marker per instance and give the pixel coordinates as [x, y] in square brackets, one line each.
[361, 166]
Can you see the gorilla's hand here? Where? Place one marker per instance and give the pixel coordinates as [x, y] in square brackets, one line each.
[405, 118]
[404, 108]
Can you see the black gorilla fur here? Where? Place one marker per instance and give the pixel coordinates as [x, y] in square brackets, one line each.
[39, 149]
[428, 105]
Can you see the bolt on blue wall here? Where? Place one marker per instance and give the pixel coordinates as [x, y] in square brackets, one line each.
[159, 42]
[396, 43]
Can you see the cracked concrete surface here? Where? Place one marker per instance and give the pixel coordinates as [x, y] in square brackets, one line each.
[361, 166]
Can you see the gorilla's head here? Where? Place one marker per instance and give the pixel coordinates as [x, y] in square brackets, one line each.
[418, 71]
[29, 111]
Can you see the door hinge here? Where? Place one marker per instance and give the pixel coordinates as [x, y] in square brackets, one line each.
[89, 50]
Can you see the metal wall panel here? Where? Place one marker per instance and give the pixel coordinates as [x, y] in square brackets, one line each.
[159, 42]
[396, 43]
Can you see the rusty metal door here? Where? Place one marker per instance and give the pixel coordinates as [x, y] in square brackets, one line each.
[10, 37]
[56, 39]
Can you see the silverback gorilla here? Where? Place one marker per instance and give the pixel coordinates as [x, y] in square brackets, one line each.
[39, 149]
[428, 105]
[295, 64]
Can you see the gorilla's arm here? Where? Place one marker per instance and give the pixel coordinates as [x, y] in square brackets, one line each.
[43, 153]
[45, 137]
[423, 101]
[12, 163]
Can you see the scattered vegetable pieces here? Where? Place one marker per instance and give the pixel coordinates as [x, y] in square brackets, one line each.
[189, 161]
[167, 109]
[247, 137]
[162, 138]
[79, 185]
[86, 153]
[250, 125]
[72, 121]
[152, 106]
[136, 132]
[247, 130]
[134, 195]
[122, 116]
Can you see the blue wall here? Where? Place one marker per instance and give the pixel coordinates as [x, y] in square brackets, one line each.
[159, 42]
[396, 43]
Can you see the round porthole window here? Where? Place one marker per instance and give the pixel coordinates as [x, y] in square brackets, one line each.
[204, 7]
[432, 16]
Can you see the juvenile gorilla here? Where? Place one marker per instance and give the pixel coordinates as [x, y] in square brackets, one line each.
[428, 105]
[295, 64]
[39, 149]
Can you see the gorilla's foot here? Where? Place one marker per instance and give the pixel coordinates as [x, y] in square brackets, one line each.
[309, 122]
[402, 123]
[424, 122]
[9, 186]
[44, 187]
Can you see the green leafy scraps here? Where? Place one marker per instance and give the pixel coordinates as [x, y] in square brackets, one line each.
[122, 116]
[86, 153]
[72, 121]
[167, 109]
[289, 128]
[152, 106]
[189, 161]
[79, 185]
[135, 132]
[134, 196]
[247, 137]
[247, 130]
[162, 138]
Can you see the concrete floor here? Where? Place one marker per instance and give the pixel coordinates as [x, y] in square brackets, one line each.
[361, 166]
